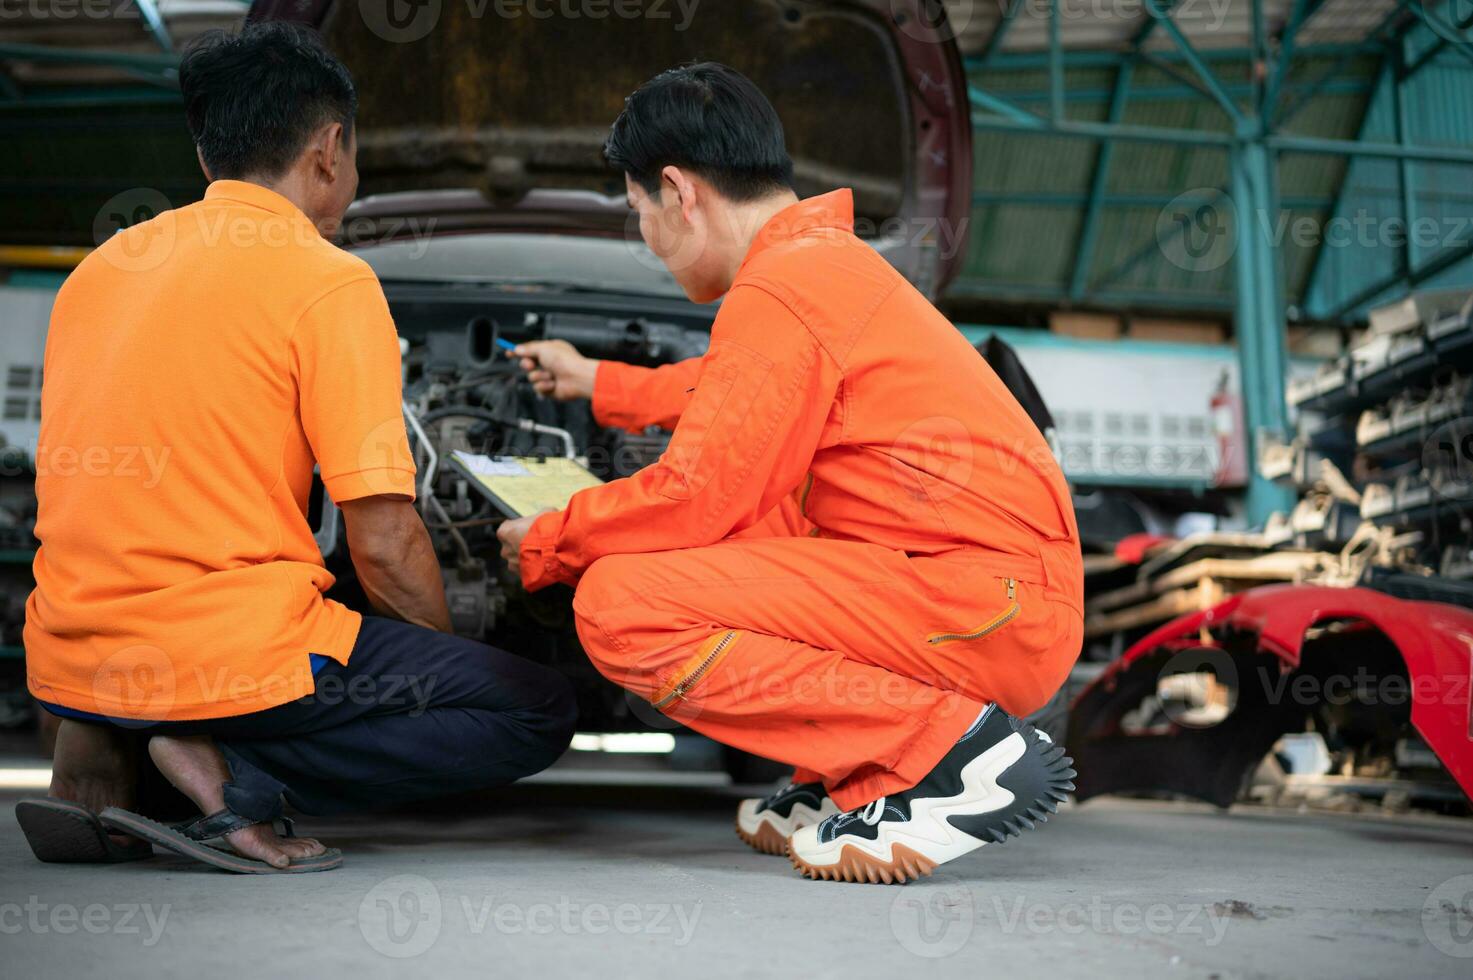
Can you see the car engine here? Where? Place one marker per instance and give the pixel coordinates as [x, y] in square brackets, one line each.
[462, 392]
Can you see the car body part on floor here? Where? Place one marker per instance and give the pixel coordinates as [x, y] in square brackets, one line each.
[1278, 655]
[63, 832]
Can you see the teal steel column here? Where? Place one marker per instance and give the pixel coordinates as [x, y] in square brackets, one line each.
[1260, 320]
[1396, 79]
[1055, 62]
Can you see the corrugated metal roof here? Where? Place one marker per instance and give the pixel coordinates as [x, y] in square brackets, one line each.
[1366, 248]
[1024, 249]
[1107, 25]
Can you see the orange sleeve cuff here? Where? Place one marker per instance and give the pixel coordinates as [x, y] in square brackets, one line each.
[541, 566]
[380, 481]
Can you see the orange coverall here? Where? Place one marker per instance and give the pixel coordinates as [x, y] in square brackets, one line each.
[856, 539]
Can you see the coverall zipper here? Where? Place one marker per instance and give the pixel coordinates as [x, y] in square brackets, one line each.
[694, 675]
[993, 625]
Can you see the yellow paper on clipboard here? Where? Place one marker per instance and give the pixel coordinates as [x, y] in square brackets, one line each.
[521, 486]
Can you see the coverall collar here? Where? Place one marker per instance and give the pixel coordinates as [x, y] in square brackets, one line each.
[254, 195]
[833, 211]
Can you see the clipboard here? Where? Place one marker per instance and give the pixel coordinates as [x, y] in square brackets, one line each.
[520, 486]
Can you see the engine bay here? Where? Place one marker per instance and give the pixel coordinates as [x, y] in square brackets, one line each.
[463, 392]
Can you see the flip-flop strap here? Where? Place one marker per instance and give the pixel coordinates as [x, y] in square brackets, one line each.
[223, 822]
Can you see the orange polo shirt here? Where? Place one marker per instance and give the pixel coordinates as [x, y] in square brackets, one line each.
[197, 367]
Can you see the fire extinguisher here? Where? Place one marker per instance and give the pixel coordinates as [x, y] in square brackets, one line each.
[1227, 427]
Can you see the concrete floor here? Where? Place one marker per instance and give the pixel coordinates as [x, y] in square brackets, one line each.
[598, 874]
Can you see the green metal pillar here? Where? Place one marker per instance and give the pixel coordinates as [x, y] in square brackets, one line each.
[1262, 358]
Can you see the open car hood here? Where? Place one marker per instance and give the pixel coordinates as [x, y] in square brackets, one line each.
[489, 114]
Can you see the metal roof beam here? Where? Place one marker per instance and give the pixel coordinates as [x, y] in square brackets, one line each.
[1004, 108]
[1397, 16]
[1152, 248]
[156, 63]
[1208, 76]
[1089, 233]
[154, 21]
[1385, 151]
[1299, 15]
[1055, 62]
[1437, 266]
[999, 33]
[1165, 135]
[1094, 58]
[1319, 256]
[1443, 42]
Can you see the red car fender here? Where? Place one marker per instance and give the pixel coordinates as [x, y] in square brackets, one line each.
[1435, 641]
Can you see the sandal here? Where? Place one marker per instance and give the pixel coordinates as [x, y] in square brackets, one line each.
[63, 832]
[195, 840]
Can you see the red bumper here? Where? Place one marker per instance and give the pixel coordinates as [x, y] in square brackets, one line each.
[1434, 640]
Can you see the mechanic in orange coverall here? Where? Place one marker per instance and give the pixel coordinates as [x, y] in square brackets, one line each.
[857, 556]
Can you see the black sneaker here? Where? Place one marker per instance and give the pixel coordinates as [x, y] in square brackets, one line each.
[999, 778]
[766, 824]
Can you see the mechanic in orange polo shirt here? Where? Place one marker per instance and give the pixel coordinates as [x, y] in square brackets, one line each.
[198, 366]
[858, 555]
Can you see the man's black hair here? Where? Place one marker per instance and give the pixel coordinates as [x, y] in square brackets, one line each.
[707, 118]
[253, 99]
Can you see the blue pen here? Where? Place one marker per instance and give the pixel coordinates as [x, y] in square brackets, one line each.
[505, 344]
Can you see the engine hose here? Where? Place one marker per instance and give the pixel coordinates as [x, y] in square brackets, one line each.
[465, 411]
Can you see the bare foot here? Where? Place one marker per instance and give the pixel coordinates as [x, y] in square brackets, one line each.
[195, 766]
[94, 765]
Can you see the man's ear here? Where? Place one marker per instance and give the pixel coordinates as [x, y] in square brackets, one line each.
[330, 150]
[687, 193]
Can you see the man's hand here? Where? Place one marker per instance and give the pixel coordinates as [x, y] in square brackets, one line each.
[511, 533]
[556, 369]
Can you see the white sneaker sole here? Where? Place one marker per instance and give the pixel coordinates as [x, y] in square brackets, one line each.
[914, 848]
[768, 832]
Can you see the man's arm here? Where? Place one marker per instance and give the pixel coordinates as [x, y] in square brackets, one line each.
[395, 561]
[345, 359]
[745, 441]
[624, 396]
